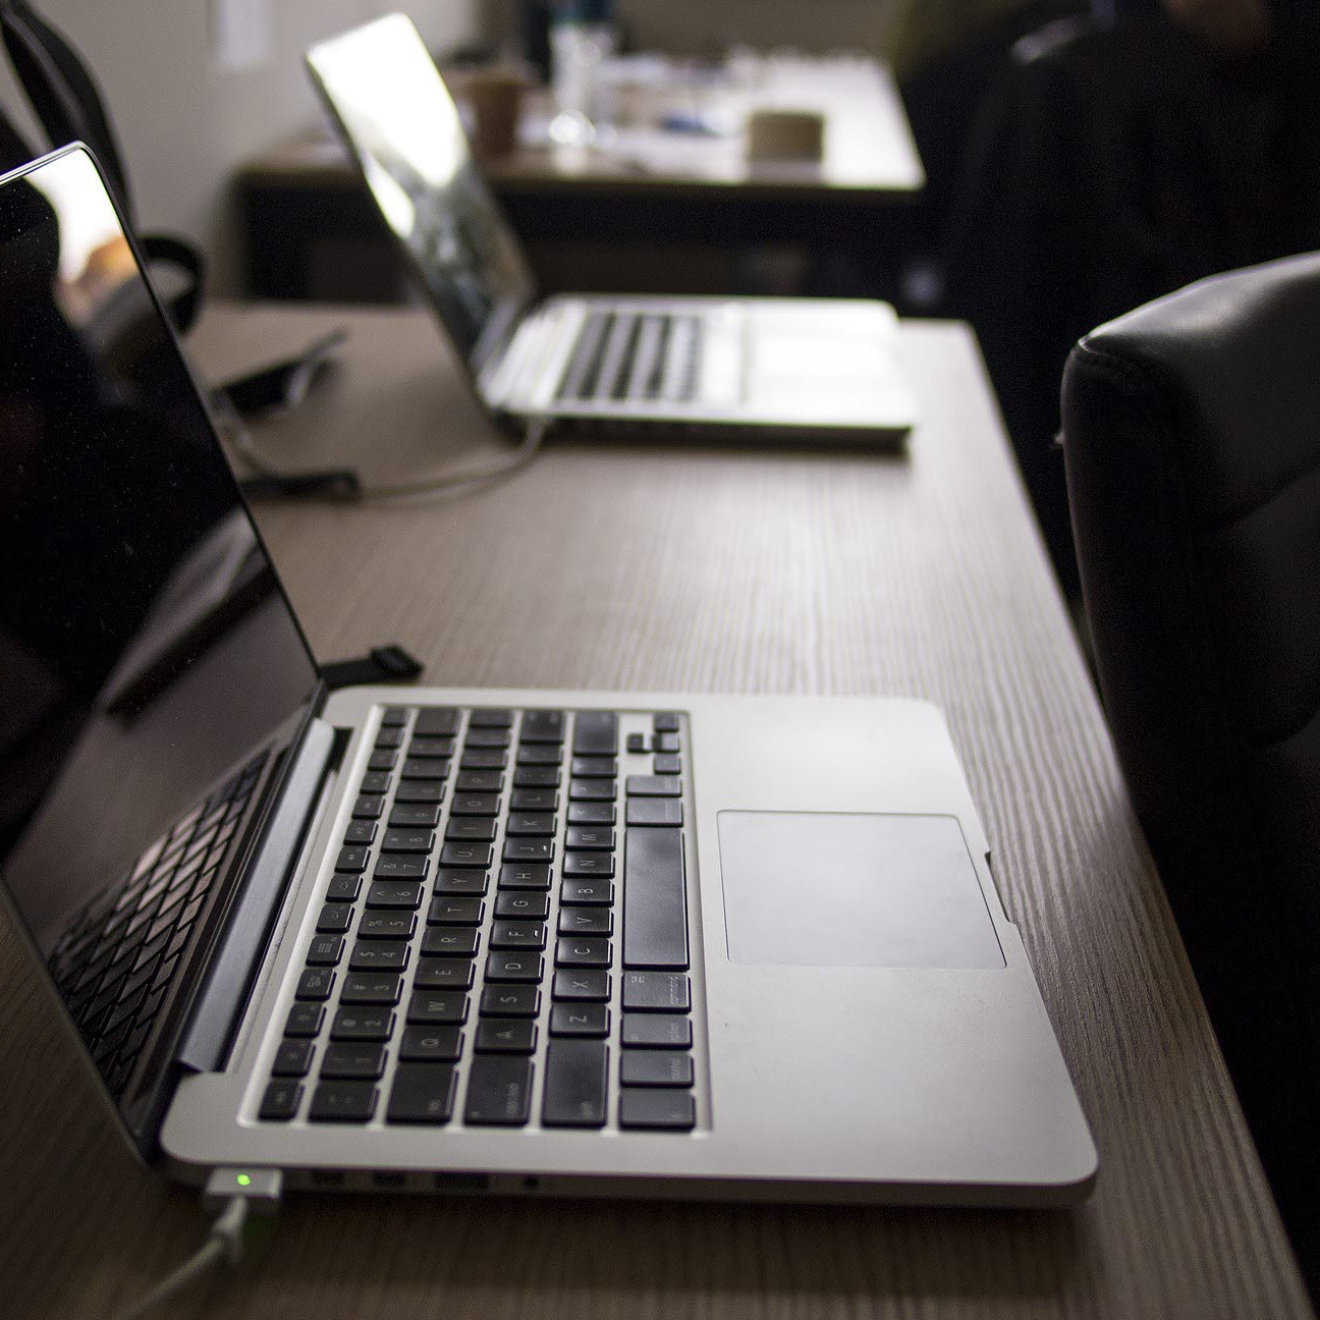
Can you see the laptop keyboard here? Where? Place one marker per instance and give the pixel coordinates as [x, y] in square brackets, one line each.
[637, 356]
[471, 963]
[117, 960]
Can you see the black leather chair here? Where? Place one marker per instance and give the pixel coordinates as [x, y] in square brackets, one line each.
[1191, 436]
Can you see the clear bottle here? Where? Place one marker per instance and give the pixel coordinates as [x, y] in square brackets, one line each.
[583, 38]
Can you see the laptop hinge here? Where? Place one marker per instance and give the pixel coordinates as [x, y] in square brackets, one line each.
[229, 977]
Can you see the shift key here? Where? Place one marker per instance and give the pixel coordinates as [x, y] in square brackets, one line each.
[654, 900]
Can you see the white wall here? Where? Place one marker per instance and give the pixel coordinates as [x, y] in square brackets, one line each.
[183, 123]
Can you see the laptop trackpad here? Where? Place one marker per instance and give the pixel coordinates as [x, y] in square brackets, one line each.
[818, 889]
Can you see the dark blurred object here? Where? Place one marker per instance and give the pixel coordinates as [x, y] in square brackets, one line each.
[1193, 465]
[70, 107]
[1111, 166]
[284, 385]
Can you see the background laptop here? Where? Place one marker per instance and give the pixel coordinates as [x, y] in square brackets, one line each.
[817, 370]
[518, 941]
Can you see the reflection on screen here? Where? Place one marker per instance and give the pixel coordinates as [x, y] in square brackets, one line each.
[404, 131]
[145, 647]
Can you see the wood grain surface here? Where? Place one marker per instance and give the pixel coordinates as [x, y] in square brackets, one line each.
[682, 567]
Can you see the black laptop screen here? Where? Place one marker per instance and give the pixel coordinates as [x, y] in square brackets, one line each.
[145, 646]
[404, 130]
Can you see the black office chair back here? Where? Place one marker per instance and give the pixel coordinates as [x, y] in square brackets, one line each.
[69, 105]
[1191, 435]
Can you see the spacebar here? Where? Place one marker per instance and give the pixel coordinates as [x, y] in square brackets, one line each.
[654, 899]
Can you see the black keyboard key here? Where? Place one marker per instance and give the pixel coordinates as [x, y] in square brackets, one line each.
[428, 791]
[665, 722]
[653, 786]
[325, 951]
[586, 864]
[576, 1073]
[655, 811]
[292, 1059]
[511, 1001]
[375, 781]
[304, 1020]
[438, 1007]
[424, 769]
[382, 759]
[344, 888]
[593, 767]
[443, 974]
[387, 924]
[400, 866]
[589, 838]
[368, 806]
[522, 903]
[362, 1024]
[457, 881]
[412, 815]
[389, 736]
[537, 776]
[405, 840]
[353, 859]
[656, 1031]
[479, 781]
[480, 829]
[667, 765]
[505, 1036]
[315, 984]
[517, 935]
[342, 1102]
[592, 790]
[394, 894]
[585, 1019]
[475, 804]
[451, 941]
[511, 966]
[659, 1110]
[394, 717]
[499, 1091]
[529, 850]
[665, 743]
[491, 717]
[437, 721]
[360, 832]
[335, 918]
[540, 754]
[656, 992]
[638, 744]
[487, 738]
[380, 956]
[484, 758]
[461, 911]
[431, 748]
[591, 813]
[353, 1062]
[370, 988]
[582, 951]
[655, 1068]
[431, 1044]
[531, 824]
[534, 799]
[542, 726]
[654, 900]
[467, 854]
[586, 921]
[595, 733]
[587, 893]
[422, 1093]
[532, 876]
[280, 1102]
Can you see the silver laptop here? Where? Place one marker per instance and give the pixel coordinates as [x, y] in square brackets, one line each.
[816, 370]
[451, 939]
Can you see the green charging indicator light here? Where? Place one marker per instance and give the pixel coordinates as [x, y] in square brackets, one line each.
[244, 1180]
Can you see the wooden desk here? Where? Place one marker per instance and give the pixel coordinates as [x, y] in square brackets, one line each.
[652, 212]
[711, 569]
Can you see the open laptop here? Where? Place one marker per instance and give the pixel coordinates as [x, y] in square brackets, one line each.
[435, 939]
[815, 370]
